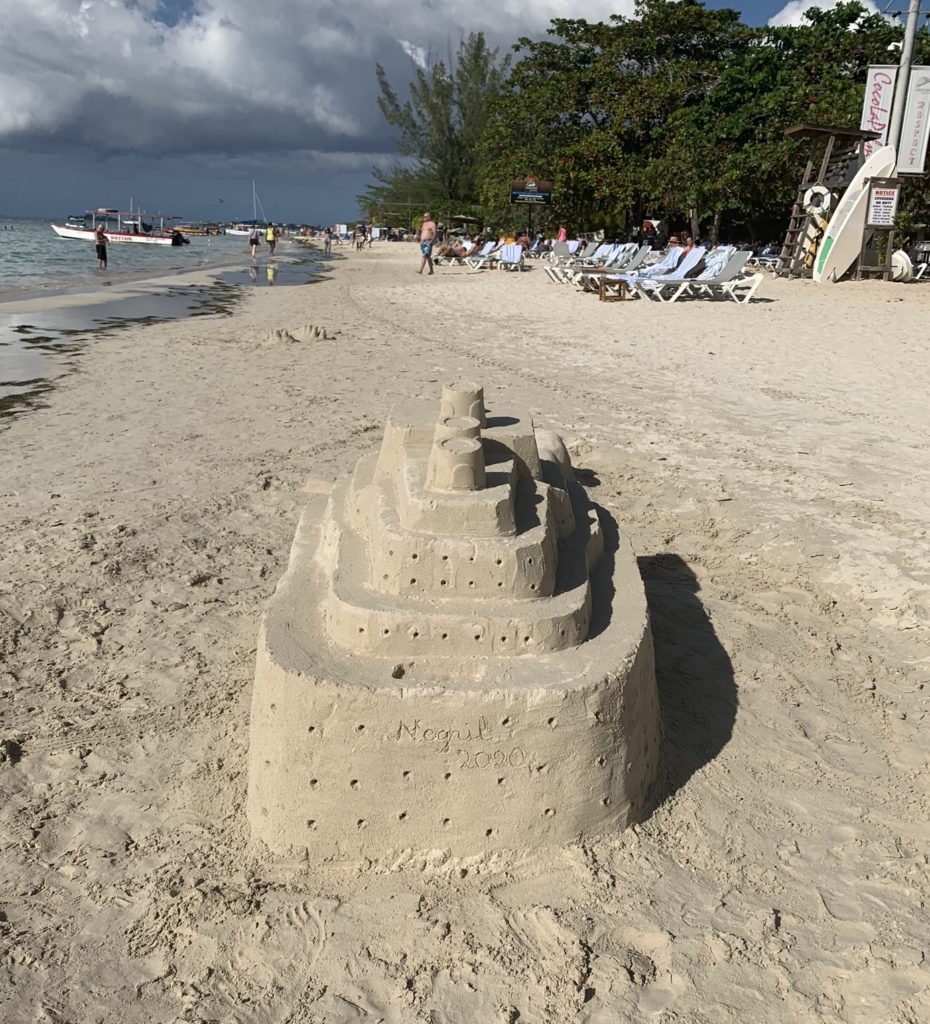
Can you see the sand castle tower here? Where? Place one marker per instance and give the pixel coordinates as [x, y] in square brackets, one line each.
[458, 655]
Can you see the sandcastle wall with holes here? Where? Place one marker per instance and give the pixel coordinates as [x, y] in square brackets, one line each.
[459, 653]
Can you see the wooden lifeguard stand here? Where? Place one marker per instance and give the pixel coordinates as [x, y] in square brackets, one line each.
[836, 153]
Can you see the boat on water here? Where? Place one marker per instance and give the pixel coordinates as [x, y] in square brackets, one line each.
[135, 226]
[242, 228]
[200, 229]
[245, 227]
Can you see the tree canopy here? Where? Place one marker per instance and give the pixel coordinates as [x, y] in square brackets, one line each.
[438, 129]
[679, 111]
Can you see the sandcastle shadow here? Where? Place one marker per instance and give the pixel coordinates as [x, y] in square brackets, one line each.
[603, 591]
[697, 689]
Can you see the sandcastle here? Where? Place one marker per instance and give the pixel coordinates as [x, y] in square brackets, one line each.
[459, 654]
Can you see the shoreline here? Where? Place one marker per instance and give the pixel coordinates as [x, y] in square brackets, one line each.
[768, 465]
[88, 287]
[38, 332]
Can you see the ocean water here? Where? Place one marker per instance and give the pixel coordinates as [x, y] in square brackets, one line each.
[36, 261]
[39, 349]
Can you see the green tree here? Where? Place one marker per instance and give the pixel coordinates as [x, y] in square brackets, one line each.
[587, 108]
[681, 108]
[438, 129]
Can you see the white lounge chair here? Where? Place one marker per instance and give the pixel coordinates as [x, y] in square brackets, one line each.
[563, 268]
[509, 257]
[617, 280]
[737, 286]
[564, 252]
[585, 253]
[457, 261]
[627, 259]
[921, 259]
[603, 253]
[482, 258]
[642, 284]
[666, 265]
[717, 265]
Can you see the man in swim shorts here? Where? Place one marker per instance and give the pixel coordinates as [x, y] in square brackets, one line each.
[427, 236]
[101, 239]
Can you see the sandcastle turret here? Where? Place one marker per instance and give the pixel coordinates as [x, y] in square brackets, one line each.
[459, 653]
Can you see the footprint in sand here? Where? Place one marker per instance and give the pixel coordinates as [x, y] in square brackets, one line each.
[552, 965]
[540, 933]
[278, 949]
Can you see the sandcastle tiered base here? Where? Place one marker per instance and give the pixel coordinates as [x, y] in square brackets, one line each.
[458, 656]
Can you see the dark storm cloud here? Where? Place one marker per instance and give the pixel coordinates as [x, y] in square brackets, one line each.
[228, 77]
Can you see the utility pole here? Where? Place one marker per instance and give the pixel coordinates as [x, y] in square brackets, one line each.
[904, 75]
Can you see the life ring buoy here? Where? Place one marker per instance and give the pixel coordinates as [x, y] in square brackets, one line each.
[818, 200]
[902, 269]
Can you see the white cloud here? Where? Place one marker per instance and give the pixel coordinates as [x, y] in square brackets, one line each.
[230, 75]
[416, 53]
[793, 11]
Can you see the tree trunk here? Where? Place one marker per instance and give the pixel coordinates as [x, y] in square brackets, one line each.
[715, 228]
[695, 223]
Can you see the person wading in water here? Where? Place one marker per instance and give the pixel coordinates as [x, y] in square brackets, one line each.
[101, 239]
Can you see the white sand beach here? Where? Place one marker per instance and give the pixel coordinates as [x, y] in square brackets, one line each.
[769, 464]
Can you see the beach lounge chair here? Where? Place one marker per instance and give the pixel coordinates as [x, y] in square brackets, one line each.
[482, 258]
[601, 254]
[614, 281]
[605, 257]
[456, 261]
[666, 265]
[627, 259]
[636, 260]
[564, 252]
[642, 284]
[509, 257]
[564, 269]
[720, 264]
[583, 254]
[740, 289]
[560, 252]
[730, 283]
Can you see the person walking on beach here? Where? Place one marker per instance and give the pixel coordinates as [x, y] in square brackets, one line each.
[255, 239]
[271, 237]
[328, 241]
[100, 238]
[427, 237]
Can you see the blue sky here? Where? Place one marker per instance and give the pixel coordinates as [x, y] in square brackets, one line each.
[180, 103]
[754, 12]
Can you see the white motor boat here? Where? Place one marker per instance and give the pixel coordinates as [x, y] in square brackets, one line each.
[135, 226]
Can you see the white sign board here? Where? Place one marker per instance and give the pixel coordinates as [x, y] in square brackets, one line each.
[876, 106]
[912, 151]
[883, 205]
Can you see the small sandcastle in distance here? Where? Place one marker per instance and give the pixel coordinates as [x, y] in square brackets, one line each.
[459, 654]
